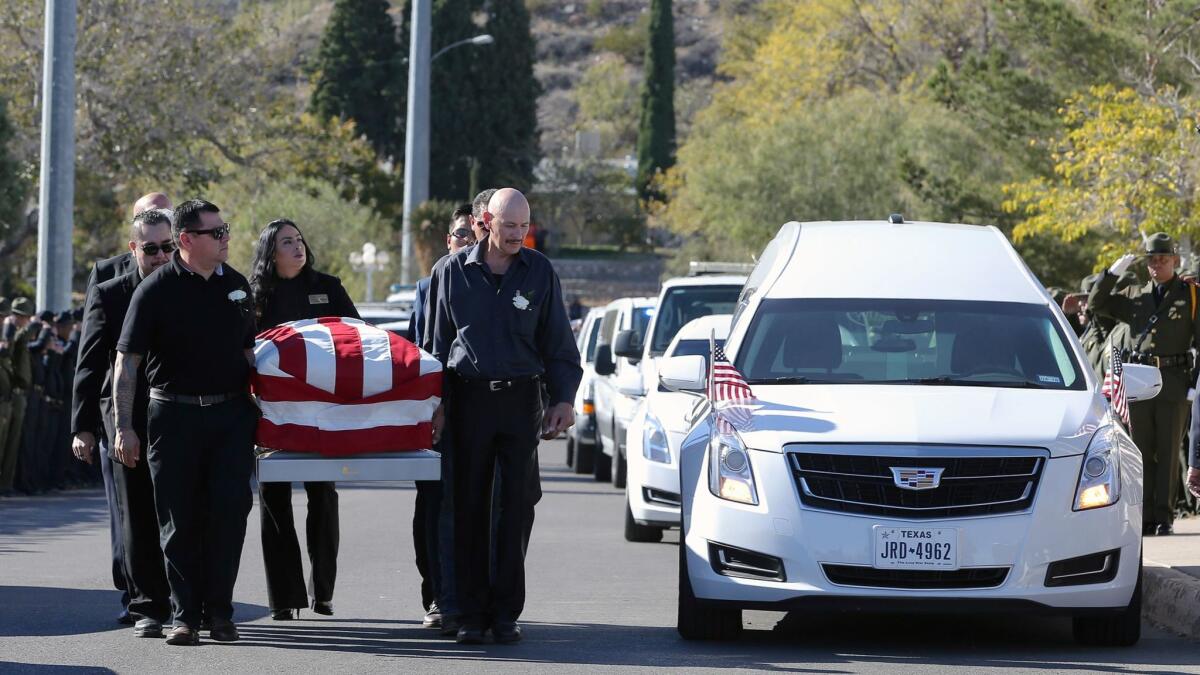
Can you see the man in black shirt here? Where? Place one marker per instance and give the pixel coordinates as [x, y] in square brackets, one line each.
[498, 324]
[145, 578]
[192, 321]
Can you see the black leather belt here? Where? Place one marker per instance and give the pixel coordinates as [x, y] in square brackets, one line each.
[1169, 361]
[495, 385]
[203, 400]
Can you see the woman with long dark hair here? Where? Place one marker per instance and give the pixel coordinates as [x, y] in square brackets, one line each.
[288, 288]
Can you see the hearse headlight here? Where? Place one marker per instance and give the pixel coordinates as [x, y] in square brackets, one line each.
[1100, 475]
[654, 441]
[729, 473]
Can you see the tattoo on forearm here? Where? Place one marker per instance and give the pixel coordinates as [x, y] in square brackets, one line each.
[125, 388]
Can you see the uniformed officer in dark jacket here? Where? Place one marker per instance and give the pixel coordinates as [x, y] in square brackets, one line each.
[145, 577]
[498, 323]
[192, 321]
[16, 335]
[1164, 323]
[111, 268]
[288, 288]
[6, 388]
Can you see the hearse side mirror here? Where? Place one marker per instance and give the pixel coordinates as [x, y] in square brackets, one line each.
[628, 345]
[1142, 383]
[683, 373]
[604, 365]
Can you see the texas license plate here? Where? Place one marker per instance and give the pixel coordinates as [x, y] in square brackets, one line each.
[916, 548]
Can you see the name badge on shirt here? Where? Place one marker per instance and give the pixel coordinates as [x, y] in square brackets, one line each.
[318, 299]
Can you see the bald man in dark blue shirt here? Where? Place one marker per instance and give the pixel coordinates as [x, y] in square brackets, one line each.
[498, 323]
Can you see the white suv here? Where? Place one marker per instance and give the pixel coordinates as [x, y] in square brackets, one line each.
[657, 430]
[581, 437]
[925, 436]
[617, 385]
[680, 300]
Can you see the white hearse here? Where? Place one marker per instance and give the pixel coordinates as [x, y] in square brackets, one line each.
[657, 430]
[926, 436]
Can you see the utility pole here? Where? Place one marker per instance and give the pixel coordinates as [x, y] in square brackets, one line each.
[56, 194]
[416, 137]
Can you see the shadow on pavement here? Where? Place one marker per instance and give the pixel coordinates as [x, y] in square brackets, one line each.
[21, 515]
[44, 611]
[822, 645]
[11, 668]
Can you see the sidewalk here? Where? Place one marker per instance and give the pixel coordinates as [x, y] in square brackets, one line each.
[1171, 579]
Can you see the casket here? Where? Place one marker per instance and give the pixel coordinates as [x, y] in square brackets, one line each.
[339, 386]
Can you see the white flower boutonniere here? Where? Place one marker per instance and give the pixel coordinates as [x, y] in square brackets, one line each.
[520, 302]
[238, 295]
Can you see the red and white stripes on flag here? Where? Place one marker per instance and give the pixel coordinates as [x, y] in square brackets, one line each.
[731, 396]
[1114, 387]
[340, 386]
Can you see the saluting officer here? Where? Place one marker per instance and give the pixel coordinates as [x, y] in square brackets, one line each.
[192, 321]
[498, 323]
[1163, 325]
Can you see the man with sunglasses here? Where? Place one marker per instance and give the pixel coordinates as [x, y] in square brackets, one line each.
[142, 570]
[192, 322]
[436, 589]
[103, 270]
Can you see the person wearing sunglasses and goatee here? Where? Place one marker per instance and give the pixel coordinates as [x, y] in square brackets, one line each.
[192, 323]
[288, 288]
[145, 578]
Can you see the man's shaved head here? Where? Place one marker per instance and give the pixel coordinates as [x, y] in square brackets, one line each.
[510, 205]
[154, 200]
[507, 218]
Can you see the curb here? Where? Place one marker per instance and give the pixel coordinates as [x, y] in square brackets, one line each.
[1171, 599]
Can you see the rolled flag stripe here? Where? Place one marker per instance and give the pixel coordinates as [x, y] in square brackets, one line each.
[341, 386]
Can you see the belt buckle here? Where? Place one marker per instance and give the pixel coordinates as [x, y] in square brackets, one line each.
[497, 385]
[202, 403]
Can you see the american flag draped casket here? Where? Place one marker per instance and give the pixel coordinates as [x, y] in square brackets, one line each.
[340, 386]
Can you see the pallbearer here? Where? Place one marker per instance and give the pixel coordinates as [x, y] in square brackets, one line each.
[498, 323]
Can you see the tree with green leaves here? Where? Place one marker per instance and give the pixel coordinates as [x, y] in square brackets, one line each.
[656, 134]
[12, 188]
[509, 97]
[355, 71]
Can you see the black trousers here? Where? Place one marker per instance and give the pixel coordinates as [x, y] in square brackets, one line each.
[116, 536]
[426, 514]
[201, 459]
[281, 548]
[492, 430]
[145, 575]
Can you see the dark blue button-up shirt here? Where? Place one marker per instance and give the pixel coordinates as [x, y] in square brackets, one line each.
[517, 329]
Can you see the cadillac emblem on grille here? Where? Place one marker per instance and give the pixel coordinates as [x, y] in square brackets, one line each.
[909, 478]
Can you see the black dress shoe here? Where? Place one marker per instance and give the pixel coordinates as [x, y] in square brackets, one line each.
[224, 631]
[183, 635]
[1164, 530]
[124, 619]
[323, 607]
[506, 633]
[470, 635]
[433, 617]
[450, 626]
[147, 628]
[282, 614]
[1149, 529]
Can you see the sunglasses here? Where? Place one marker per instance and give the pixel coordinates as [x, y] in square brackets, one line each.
[463, 235]
[153, 249]
[217, 233]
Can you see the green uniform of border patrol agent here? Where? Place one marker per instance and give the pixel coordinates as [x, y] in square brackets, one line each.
[6, 389]
[1163, 326]
[22, 375]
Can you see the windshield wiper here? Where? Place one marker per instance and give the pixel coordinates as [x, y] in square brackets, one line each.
[793, 379]
[959, 382]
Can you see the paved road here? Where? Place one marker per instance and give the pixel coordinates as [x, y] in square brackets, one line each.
[595, 603]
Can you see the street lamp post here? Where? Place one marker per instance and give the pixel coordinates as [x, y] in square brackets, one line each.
[369, 260]
[416, 137]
